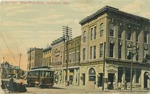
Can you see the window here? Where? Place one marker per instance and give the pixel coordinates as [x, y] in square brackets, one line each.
[138, 74]
[137, 55]
[111, 27]
[94, 52]
[111, 50]
[129, 54]
[129, 34]
[84, 53]
[73, 57]
[145, 37]
[91, 33]
[95, 32]
[78, 56]
[101, 50]
[84, 36]
[119, 50]
[92, 74]
[101, 30]
[70, 57]
[120, 32]
[90, 52]
[137, 36]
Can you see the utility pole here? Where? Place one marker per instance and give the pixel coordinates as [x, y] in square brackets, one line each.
[103, 88]
[67, 34]
[20, 59]
[3, 59]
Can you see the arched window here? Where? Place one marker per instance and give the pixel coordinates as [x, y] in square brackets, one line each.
[101, 29]
[111, 29]
[92, 74]
[84, 36]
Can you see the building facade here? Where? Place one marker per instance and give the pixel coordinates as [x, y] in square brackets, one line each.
[47, 56]
[35, 56]
[73, 61]
[115, 47]
[58, 58]
[8, 70]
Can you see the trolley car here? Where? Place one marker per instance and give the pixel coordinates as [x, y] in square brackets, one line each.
[40, 76]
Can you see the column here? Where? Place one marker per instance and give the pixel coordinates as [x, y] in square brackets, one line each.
[75, 76]
[141, 48]
[123, 50]
[142, 79]
[64, 76]
[106, 77]
[134, 77]
[116, 80]
[68, 75]
[116, 42]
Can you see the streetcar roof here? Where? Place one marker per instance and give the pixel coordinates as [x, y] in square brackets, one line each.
[41, 69]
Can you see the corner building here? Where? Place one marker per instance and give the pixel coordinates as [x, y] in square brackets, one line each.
[114, 44]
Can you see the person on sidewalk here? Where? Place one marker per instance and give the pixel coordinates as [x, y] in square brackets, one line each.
[119, 85]
[11, 87]
[125, 85]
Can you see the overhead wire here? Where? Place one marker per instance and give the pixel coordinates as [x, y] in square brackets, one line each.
[8, 48]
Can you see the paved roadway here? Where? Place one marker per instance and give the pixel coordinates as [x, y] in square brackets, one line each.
[76, 90]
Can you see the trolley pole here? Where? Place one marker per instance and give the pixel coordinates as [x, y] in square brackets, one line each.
[67, 36]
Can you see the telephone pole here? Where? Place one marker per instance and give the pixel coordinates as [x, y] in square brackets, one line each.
[67, 34]
[20, 59]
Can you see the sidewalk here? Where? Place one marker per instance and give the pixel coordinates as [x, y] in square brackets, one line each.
[99, 89]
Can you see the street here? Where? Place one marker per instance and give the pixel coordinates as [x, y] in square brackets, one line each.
[76, 90]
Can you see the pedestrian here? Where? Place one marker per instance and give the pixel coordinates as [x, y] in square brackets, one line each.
[119, 85]
[1, 90]
[125, 85]
[11, 87]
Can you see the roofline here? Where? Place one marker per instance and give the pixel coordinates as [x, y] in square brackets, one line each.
[110, 9]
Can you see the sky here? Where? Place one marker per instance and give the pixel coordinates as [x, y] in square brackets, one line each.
[26, 24]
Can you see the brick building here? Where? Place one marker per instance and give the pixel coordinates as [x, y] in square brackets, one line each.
[114, 43]
[35, 56]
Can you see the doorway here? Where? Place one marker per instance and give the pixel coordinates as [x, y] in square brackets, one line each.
[110, 80]
[100, 79]
[145, 79]
[83, 78]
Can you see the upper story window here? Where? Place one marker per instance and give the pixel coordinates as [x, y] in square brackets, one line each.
[73, 57]
[78, 56]
[111, 28]
[119, 50]
[84, 36]
[101, 30]
[129, 34]
[101, 50]
[84, 53]
[120, 30]
[137, 54]
[91, 36]
[95, 32]
[111, 50]
[94, 52]
[137, 36]
[145, 37]
[129, 54]
[91, 52]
